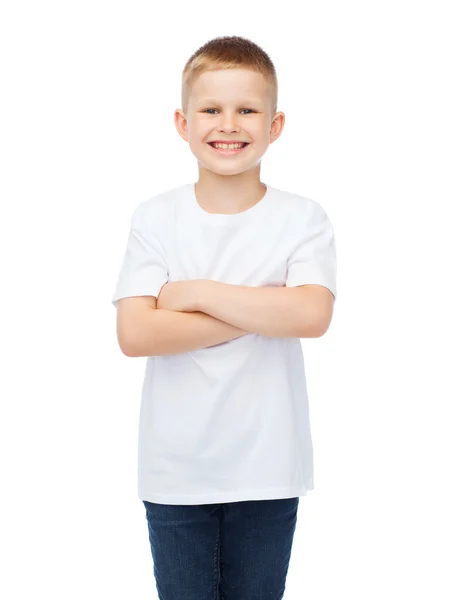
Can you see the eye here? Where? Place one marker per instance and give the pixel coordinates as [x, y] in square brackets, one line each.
[250, 109]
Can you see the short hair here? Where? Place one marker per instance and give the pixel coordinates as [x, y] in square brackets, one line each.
[229, 52]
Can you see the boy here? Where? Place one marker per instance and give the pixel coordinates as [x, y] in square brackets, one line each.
[219, 281]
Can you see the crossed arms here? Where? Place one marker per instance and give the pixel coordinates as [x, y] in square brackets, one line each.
[200, 313]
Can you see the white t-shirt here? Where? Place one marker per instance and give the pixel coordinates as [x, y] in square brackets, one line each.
[230, 422]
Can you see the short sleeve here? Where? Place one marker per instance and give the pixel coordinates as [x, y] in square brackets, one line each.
[144, 269]
[313, 260]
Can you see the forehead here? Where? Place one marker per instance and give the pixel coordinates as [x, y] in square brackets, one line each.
[230, 86]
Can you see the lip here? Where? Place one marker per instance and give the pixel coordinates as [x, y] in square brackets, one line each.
[228, 152]
[227, 142]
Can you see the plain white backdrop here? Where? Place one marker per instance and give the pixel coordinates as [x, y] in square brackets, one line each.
[89, 90]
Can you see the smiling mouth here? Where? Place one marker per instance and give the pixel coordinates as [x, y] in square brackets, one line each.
[227, 151]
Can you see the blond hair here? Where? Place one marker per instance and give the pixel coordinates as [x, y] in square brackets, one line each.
[229, 52]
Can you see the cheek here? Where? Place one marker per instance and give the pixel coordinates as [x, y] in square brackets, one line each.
[201, 133]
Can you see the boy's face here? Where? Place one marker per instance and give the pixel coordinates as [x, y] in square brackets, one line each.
[234, 105]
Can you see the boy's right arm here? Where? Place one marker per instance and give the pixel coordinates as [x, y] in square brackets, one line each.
[144, 330]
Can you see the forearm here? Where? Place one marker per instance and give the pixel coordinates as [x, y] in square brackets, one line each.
[268, 311]
[164, 332]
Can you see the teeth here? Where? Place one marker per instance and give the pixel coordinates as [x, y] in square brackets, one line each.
[228, 146]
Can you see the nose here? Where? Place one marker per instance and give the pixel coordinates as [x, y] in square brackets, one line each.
[227, 123]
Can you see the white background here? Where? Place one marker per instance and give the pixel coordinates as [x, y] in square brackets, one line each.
[87, 133]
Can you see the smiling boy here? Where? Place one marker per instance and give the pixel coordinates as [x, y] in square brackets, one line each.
[220, 279]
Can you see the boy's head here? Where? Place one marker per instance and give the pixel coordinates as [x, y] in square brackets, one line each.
[229, 93]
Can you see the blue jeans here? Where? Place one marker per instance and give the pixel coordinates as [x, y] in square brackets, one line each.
[230, 551]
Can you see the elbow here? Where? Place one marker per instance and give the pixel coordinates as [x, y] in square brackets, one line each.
[320, 333]
[313, 329]
[138, 349]
[307, 330]
[323, 327]
[126, 345]
[126, 350]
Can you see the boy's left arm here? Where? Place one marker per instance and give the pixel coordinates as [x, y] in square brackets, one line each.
[300, 312]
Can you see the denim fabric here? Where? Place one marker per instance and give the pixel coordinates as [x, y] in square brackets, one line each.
[230, 551]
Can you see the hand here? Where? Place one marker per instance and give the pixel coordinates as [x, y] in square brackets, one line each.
[180, 296]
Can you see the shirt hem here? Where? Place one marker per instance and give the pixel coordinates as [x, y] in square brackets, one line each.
[264, 494]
